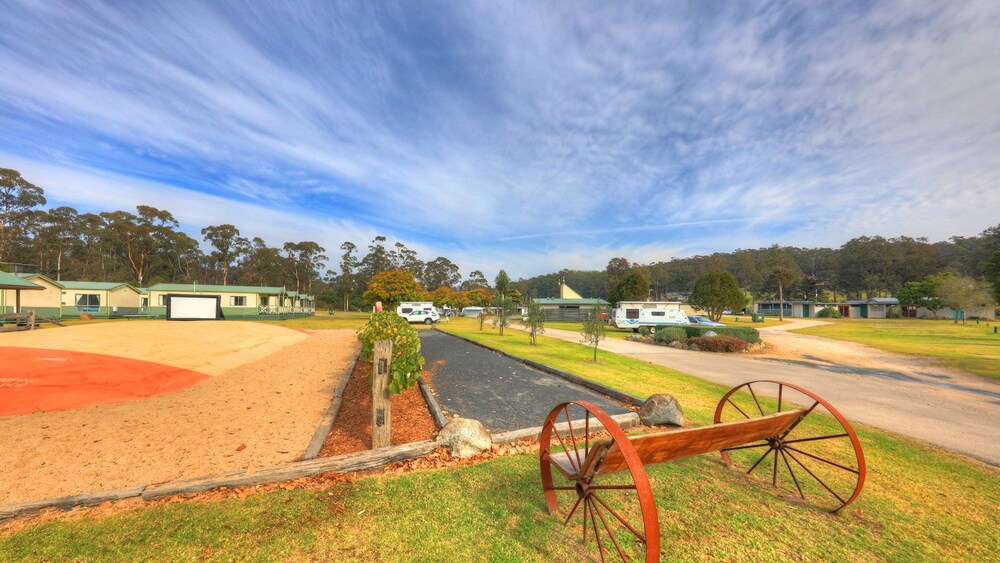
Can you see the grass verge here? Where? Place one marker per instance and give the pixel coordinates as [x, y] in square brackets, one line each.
[972, 348]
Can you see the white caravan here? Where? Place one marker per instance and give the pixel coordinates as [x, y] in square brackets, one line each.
[635, 314]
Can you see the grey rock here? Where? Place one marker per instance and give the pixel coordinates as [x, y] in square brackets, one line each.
[694, 348]
[710, 333]
[676, 344]
[465, 437]
[661, 409]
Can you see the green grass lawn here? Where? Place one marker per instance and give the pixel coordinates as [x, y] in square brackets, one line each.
[920, 503]
[970, 347]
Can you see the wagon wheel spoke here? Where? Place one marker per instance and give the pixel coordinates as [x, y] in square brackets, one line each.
[639, 536]
[754, 466]
[831, 436]
[597, 535]
[799, 421]
[817, 458]
[572, 436]
[820, 481]
[748, 446]
[754, 395]
[623, 487]
[572, 512]
[781, 388]
[586, 435]
[565, 449]
[774, 473]
[614, 540]
[792, 473]
[735, 406]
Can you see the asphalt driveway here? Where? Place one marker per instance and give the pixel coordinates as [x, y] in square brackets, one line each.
[502, 393]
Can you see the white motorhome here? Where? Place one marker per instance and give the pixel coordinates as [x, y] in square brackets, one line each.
[635, 314]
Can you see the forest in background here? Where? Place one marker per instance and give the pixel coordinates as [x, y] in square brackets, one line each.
[146, 246]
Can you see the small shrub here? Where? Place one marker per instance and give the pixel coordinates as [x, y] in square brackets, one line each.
[407, 361]
[668, 334]
[644, 330]
[829, 313]
[718, 343]
[892, 313]
[747, 334]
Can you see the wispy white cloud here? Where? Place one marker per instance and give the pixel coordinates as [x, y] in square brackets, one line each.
[533, 136]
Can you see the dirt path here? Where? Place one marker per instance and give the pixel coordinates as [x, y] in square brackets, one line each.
[260, 412]
[908, 396]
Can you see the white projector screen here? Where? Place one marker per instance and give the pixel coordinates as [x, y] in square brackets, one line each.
[193, 307]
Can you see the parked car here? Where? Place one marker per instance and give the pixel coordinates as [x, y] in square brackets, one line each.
[702, 321]
[421, 316]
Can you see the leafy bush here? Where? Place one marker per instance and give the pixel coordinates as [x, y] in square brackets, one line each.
[747, 334]
[644, 330]
[829, 313]
[668, 334]
[407, 361]
[892, 313]
[718, 343]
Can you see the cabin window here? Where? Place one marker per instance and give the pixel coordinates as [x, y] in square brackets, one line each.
[162, 301]
[88, 301]
[263, 300]
[659, 313]
[631, 313]
[238, 300]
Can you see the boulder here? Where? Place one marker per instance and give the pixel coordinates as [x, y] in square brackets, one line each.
[660, 409]
[710, 333]
[694, 348]
[676, 344]
[465, 437]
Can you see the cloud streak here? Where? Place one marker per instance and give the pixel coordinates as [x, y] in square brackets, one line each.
[519, 135]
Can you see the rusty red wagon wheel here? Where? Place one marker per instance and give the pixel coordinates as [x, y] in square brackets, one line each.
[818, 458]
[614, 510]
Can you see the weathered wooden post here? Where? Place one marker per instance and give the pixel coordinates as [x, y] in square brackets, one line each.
[31, 319]
[381, 372]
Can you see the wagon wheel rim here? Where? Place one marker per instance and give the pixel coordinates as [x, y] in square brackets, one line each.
[822, 455]
[593, 504]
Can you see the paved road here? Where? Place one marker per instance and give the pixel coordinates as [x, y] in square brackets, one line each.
[503, 394]
[949, 409]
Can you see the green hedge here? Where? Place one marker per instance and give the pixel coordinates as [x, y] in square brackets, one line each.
[668, 334]
[746, 334]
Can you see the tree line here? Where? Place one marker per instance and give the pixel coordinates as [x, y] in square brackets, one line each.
[146, 247]
[863, 267]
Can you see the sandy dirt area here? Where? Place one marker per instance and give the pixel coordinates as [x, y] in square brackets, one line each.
[270, 390]
[209, 347]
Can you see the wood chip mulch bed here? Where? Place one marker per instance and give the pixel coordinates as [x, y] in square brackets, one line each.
[411, 419]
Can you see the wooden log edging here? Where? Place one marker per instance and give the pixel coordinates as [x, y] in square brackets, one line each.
[592, 385]
[439, 419]
[326, 423]
[347, 463]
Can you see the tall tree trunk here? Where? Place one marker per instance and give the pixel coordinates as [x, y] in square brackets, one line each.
[781, 302]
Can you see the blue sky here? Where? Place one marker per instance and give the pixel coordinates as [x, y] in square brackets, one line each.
[532, 136]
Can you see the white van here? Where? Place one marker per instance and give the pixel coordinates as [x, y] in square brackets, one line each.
[635, 314]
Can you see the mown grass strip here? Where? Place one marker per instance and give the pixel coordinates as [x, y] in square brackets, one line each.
[971, 347]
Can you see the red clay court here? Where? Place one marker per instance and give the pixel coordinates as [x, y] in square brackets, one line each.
[44, 380]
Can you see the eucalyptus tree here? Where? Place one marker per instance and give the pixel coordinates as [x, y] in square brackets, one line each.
[18, 198]
[306, 259]
[229, 247]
